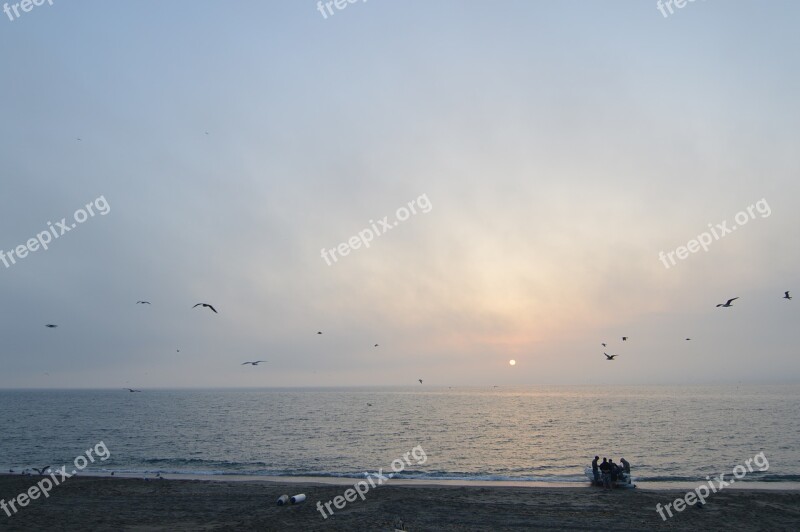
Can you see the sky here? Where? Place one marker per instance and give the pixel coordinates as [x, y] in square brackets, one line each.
[553, 155]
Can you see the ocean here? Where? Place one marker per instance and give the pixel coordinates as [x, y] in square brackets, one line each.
[543, 434]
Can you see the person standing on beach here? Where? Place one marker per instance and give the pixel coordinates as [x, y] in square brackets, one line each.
[613, 470]
[626, 466]
[605, 469]
[595, 470]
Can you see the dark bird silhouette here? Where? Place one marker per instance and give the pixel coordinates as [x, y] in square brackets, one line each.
[207, 305]
[369, 404]
[603, 345]
[376, 345]
[420, 381]
[42, 470]
[254, 363]
[131, 390]
[688, 339]
[142, 302]
[786, 295]
[728, 303]
[51, 326]
[319, 332]
[77, 138]
[624, 338]
[610, 357]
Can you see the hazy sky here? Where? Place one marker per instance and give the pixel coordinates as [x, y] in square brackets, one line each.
[558, 147]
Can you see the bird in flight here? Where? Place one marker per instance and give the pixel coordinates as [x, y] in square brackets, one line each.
[131, 390]
[376, 345]
[369, 404]
[420, 381]
[624, 338]
[786, 295]
[688, 339]
[207, 305]
[610, 357]
[42, 470]
[319, 332]
[728, 303]
[603, 344]
[142, 302]
[51, 326]
[254, 363]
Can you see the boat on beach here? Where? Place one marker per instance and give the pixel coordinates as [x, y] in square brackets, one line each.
[623, 481]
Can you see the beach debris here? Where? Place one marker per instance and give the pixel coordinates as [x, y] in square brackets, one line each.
[297, 499]
[283, 499]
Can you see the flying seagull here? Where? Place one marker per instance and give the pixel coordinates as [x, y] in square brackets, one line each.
[786, 295]
[603, 345]
[319, 332]
[207, 305]
[624, 338]
[420, 381]
[255, 363]
[142, 302]
[42, 470]
[610, 357]
[688, 339]
[131, 390]
[727, 303]
[51, 326]
[376, 345]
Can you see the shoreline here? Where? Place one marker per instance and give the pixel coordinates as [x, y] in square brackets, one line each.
[405, 482]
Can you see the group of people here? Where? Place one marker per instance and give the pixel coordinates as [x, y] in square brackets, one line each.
[608, 472]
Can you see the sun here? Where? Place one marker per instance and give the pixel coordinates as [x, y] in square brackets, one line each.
[512, 362]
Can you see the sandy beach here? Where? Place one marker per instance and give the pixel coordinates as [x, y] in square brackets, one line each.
[94, 503]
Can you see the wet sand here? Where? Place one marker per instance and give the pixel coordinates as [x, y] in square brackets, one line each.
[104, 503]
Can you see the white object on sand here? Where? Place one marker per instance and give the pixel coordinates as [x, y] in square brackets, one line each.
[296, 499]
[283, 499]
